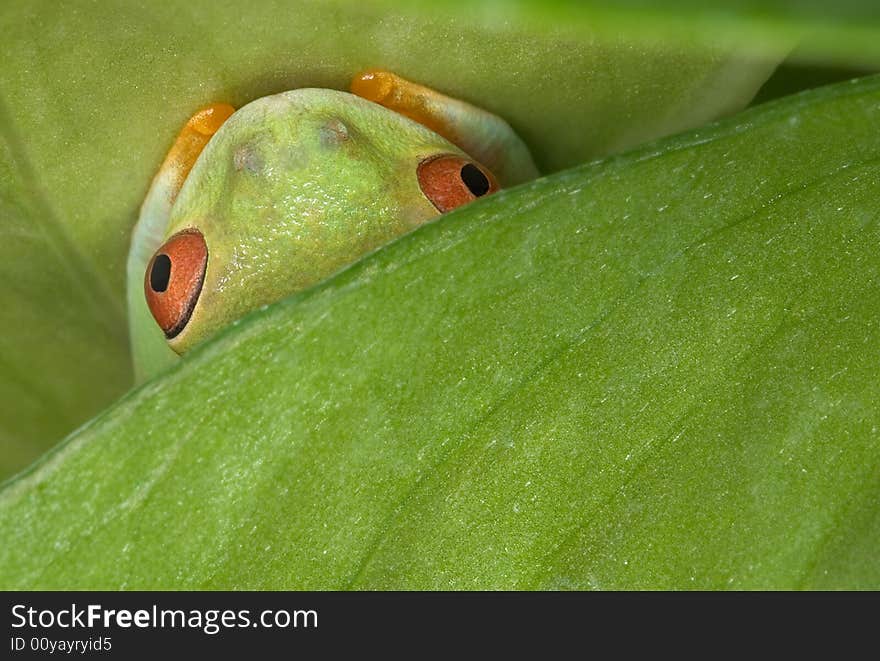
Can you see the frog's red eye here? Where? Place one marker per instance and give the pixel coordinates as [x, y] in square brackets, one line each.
[449, 181]
[174, 279]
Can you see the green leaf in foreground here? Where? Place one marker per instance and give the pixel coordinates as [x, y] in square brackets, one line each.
[93, 96]
[656, 371]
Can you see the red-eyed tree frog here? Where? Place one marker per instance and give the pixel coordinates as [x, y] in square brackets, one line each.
[254, 204]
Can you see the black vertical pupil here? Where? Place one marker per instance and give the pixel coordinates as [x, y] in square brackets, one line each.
[160, 273]
[474, 179]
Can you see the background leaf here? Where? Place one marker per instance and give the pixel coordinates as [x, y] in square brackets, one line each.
[843, 32]
[656, 371]
[63, 345]
[93, 96]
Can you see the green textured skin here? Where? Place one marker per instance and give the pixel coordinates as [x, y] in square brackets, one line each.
[293, 188]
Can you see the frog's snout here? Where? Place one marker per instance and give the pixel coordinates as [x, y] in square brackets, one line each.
[173, 281]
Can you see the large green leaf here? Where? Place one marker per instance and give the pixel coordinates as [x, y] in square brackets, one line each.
[92, 97]
[655, 371]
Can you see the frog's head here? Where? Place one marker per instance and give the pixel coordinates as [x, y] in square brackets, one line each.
[291, 189]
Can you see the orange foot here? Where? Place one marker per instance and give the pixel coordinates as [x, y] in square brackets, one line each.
[190, 143]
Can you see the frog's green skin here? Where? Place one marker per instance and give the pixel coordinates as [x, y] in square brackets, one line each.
[291, 189]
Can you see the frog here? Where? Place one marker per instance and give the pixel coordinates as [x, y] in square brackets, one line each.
[255, 204]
